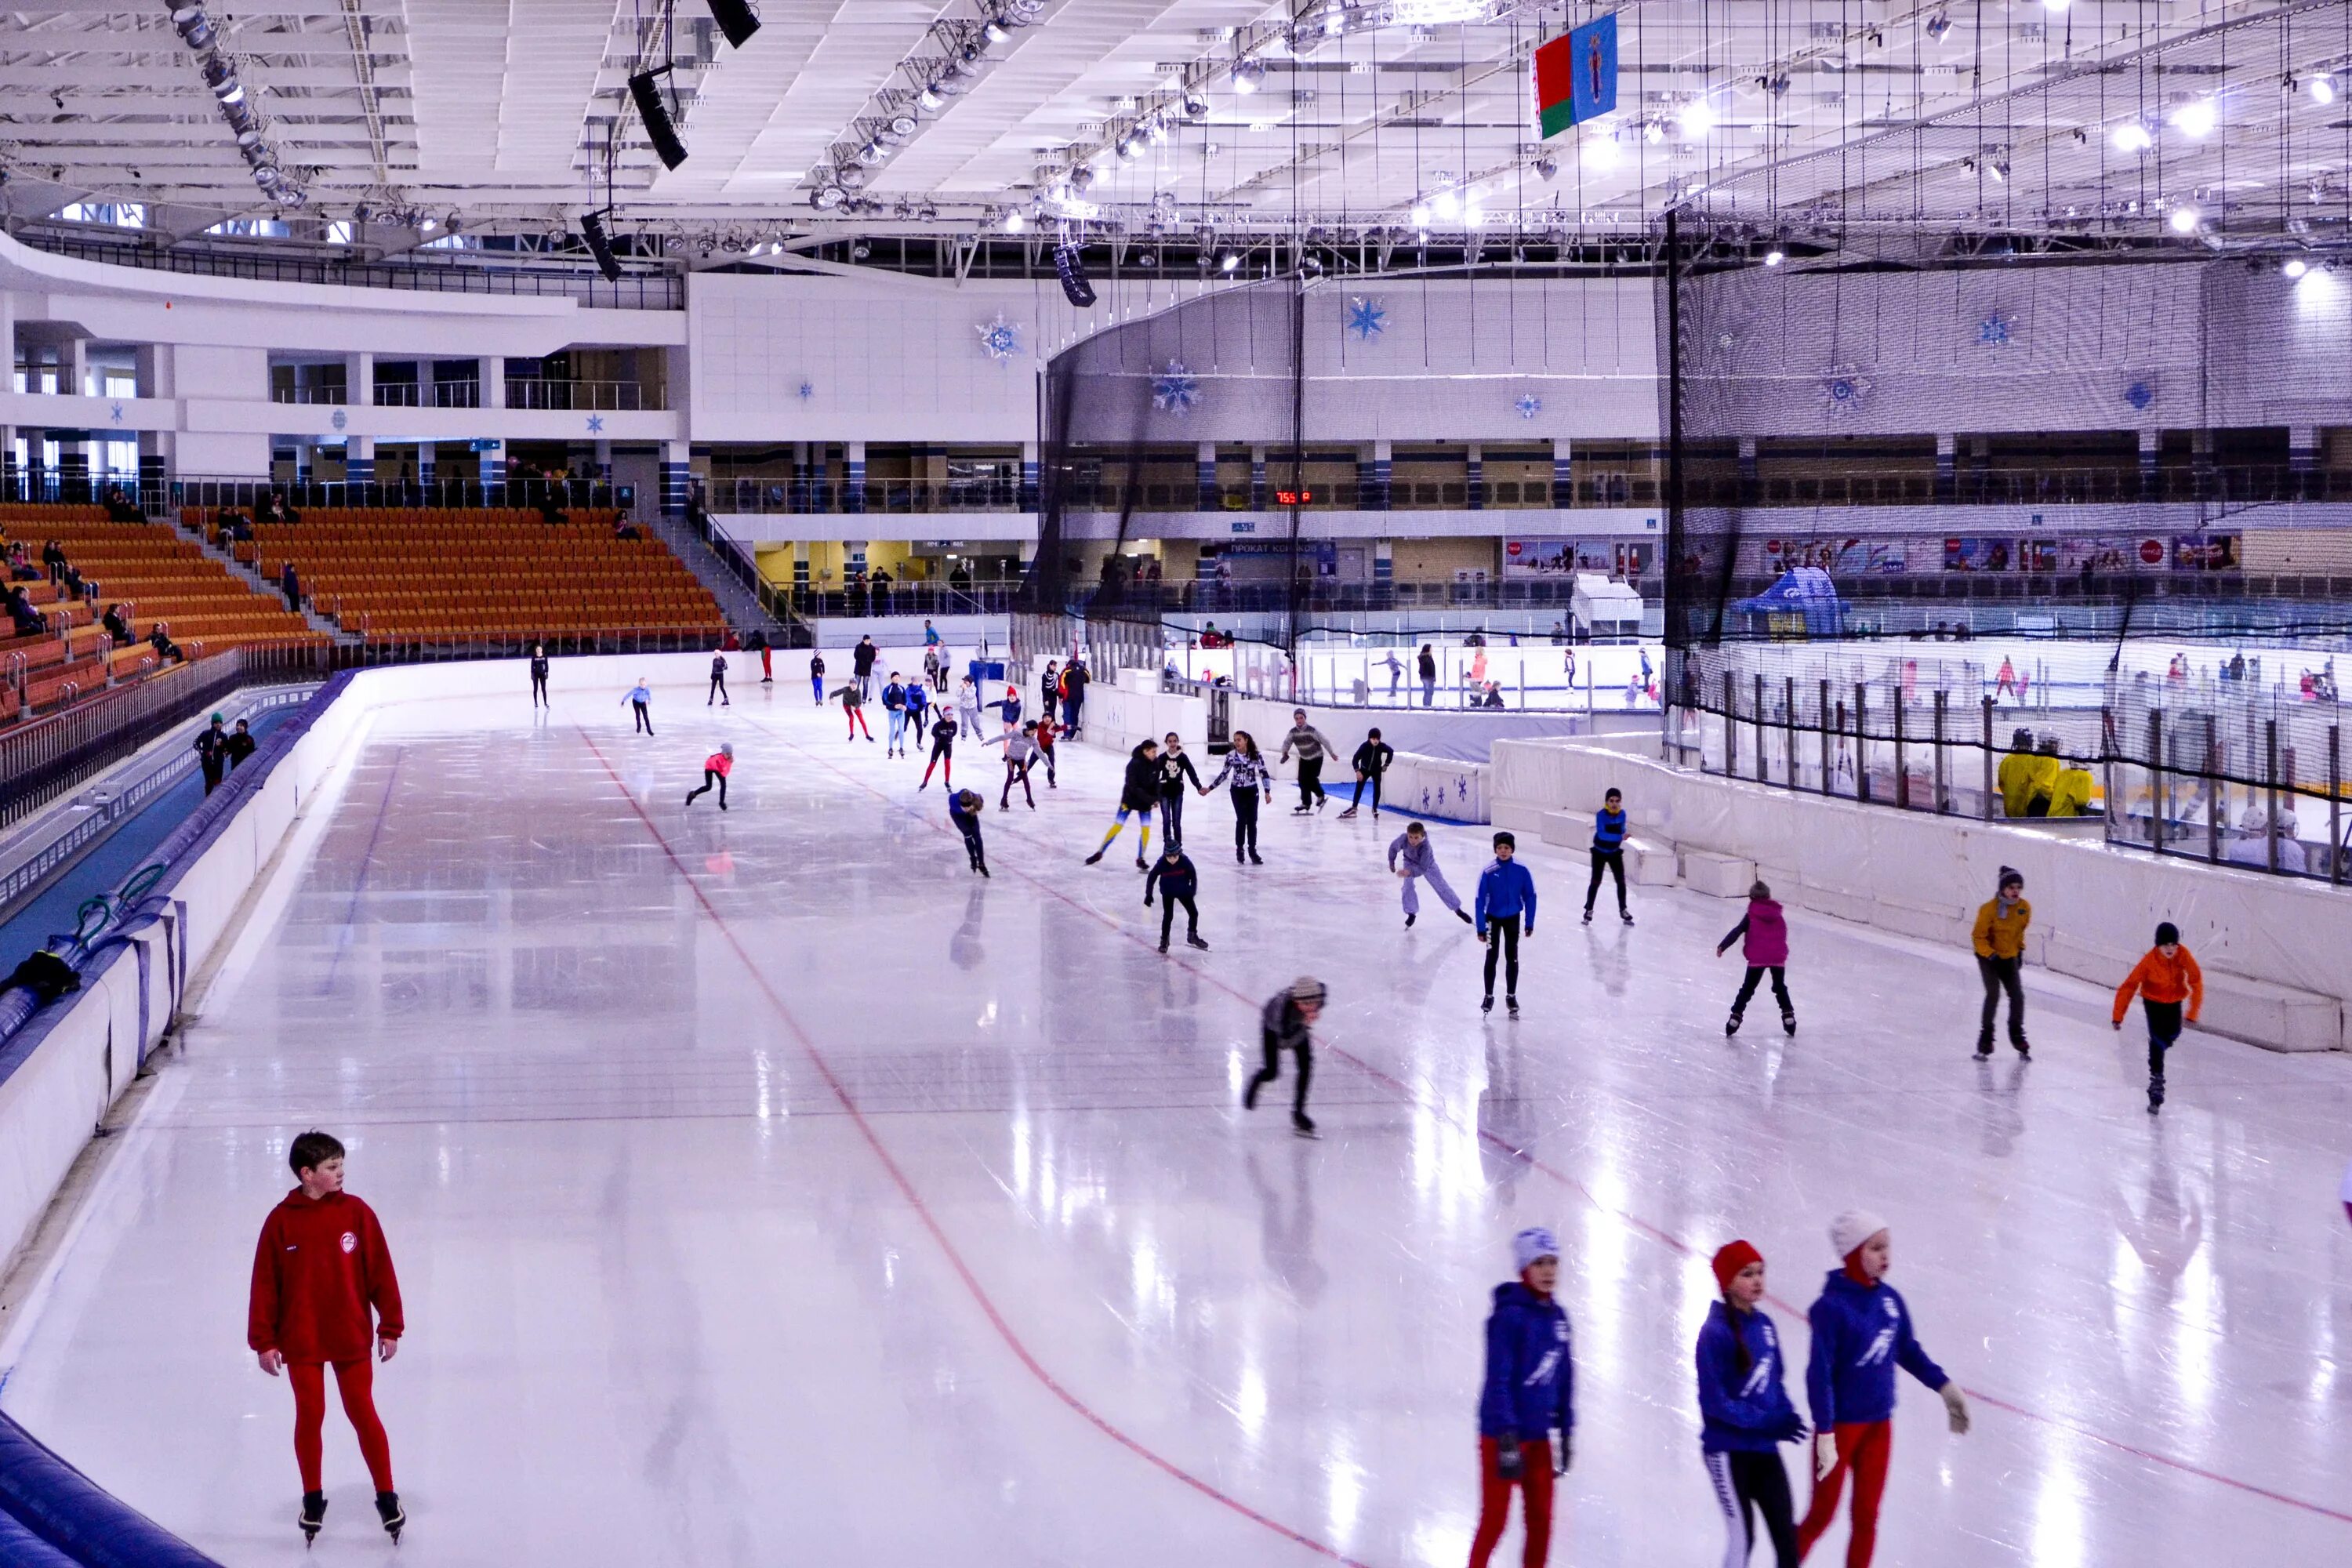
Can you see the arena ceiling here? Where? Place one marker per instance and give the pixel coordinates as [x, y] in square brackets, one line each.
[844, 117]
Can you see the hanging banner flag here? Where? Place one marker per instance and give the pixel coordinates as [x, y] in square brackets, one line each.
[1576, 76]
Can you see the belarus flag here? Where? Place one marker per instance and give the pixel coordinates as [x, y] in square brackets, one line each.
[1576, 76]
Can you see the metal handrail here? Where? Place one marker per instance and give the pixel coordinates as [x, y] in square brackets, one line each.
[428, 395]
[582, 396]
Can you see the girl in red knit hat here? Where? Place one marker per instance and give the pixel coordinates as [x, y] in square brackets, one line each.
[1745, 1407]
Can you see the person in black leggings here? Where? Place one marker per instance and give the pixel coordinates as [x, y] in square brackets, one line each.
[1372, 760]
[1745, 1411]
[1246, 767]
[1175, 767]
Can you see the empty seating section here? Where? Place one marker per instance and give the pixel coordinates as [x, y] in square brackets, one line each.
[484, 572]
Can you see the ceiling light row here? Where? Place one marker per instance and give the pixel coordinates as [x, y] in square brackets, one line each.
[932, 81]
[219, 71]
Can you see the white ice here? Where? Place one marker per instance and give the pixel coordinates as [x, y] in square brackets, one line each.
[767, 1189]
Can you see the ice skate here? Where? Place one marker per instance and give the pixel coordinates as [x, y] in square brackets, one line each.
[1302, 1124]
[314, 1508]
[1463, 916]
[1192, 941]
[1237, 857]
[1984, 1050]
[1625, 915]
[1732, 1024]
[1249, 1093]
[2155, 1095]
[1253, 859]
[2023, 1047]
[1511, 1006]
[1141, 864]
[1487, 1005]
[1409, 920]
[1164, 944]
[1788, 1020]
[1095, 858]
[395, 1518]
[1347, 814]
[1300, 810]
[1587, 917]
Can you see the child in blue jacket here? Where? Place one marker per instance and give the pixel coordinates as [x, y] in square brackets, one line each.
[1608, 853]
[1529, 1394]
[1862, 1333]
[964, 807]
[1506, 909]
[1746, 1411]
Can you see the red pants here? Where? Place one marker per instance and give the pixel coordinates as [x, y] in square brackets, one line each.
[356, 1381]
[1494, 1502]
[1862, 1448]
[858, 722]
[767, 664]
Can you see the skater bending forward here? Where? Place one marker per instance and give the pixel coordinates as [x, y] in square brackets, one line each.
[715, 769]
[964, 808]
[1763, 937]
[1527, 1407]
[1287, 1024]
[1175, 879]
[324, 1295]
[1139, 794]
[1420, 863]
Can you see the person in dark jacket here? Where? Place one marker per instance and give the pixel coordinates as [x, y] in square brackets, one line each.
[1175, 767]
[944, 734]
[1426, 667]
[212, 753]
[239, 745]
[1763, 935]
[1504, 909]
[1527, 1405]
[1138, 795]
[816, 678]
[1608, 853]
[538, 676]
[1075, 677]
[964, 810]
[1287, 1024]
[861, 665]
[290, 584]
[718, 683]
[1372, 760]
[853, 706]
[1312, 747]
[894, 703]
[1862, 1333]
[1174, 876]
[1744, 1410]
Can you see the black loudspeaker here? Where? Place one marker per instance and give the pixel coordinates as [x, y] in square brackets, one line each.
[655, 114]
[600, 246]
[736, 19]
[1075, 286]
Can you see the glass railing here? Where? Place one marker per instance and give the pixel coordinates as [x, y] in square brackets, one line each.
[428, 395]
[583, 396]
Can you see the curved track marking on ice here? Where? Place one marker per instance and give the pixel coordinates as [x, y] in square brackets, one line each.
[1630, 1221]
[922, 1211]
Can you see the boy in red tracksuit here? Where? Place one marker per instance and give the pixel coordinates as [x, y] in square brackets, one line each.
[2165, 977]
[319, 1270]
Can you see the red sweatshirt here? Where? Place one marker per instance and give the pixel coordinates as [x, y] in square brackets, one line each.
[317, 1269]
[718, 762]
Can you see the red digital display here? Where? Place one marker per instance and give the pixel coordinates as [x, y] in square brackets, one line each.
[1294, 497]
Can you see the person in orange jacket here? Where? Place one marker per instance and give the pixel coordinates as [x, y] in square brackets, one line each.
[324, 1294]
[2165, 977]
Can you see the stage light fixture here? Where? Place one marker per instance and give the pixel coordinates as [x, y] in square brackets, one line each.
[1196, 106]
[736, 19]
[2183, 220]
[826, 197]
[1774, 256]
[902, 126]
[930, 98]
[1228, 263]
[1448, 205]
[2131, 136]
[1131, 146]
[2322, 87]
[659, 129]
[1013, 222]
[1419, 215]
[1698, 118]
[600, 246]
[2197, 118]
[994, 30]
[2296, 266]
[1547, 169]
[1938, 26]
[1249, 77]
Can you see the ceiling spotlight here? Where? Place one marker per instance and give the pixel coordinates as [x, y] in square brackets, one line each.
[872, 154]
[2296, 266]
[1938, 26]
[1653, 131]
[1448, 205]
[1228, 263]
[2184, 219]
[826, 197]
[1196, 106]
[1698, 118]
[1082, 176]
[902, 125]
[1131, 146]
[427, 225]
[1013, 222]
[1547, 168]
[930, 98]
[1774, 256]
[1603, 152]
[2056, 4]
[2322, 87]
[994, 31]
[2197, 118]
[1998, 167]
[1249, 77]
[851, 176]
[1421, 215]
[2131, 136]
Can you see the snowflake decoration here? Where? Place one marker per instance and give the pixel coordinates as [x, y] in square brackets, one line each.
[1995, 329]
[2140, 393]
[999, 340]
[117, 413]
[596, 424]
[1529, 406]
[340, 419]
[1845, 389]
[806, 390]
[1175, 390]
[1366, 318]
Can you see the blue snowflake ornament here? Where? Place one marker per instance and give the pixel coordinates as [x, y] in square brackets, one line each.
[1366, 318]
[1175, 390]
[999, 340]
[805, 390]
[2140, 393]
[1844, 390]
[1995, 331]
[340, 419]
[1529, 406]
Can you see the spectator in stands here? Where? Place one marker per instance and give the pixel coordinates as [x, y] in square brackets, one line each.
[551, 510]
[291, 586]
[960, 578]
[241, 529]
[118, 626]
[27, 620]
[53, 560]
[120, 507]
[75, 586]
[160, 639]
[627, 529]
[880, 583]
[239, 745]
[20, 565]
[266, 509]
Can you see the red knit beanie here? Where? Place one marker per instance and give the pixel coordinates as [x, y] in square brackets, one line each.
[1734, 1258]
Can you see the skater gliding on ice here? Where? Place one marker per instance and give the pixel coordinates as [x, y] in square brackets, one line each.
[715, 769]
[1312, 747]
[1862, 1333]
[944, 734]
[964, 808]
[1139, 794]
[1175, 767]
[894, 704]
[853, 704]
[1763, 935]
[1608, 853]
[1177, 883]
[2000, 938]
[1246, 765]
[816, 678]
[323, 1295]
[718, 683]
[538, 676]
[1527, 1405]
[1745, 1411]
[1371, 762]
[1506, 907]
[1420, 858]
[1287, 1024]
[2165, 975]
[640, 700]
[1021, 754]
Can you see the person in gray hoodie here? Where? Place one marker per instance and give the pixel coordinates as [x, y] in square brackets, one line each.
[1420, 858]
[1312, 747]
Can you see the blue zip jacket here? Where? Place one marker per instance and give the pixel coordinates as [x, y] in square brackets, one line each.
[1608, 829]
[1860, 1334]
[1504, 887]
[1745, 1411]
[1530, 1368]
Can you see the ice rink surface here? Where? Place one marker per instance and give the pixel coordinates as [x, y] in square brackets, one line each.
[765, 1188]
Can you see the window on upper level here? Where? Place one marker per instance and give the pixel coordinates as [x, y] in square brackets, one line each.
[250, 228]
[114, 214]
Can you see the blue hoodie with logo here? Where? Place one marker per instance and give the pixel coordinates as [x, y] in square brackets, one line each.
[1860, 1334]
[1742, 1399]
[1530, 1368]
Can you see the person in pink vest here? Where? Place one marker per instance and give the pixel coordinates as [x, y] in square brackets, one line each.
[1763, 935]
[715, 769]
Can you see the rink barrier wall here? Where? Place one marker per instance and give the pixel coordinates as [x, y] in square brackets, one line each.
[2272, 949]
[62, 1517]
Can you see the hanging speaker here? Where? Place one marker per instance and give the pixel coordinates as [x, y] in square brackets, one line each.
[1075, 286]
[600, 246]
[659, 129]
[736, 19]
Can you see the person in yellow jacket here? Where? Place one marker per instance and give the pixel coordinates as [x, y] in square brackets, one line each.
[2165, 977]
[2071, 795]
[2001, 954]
[2017, 773]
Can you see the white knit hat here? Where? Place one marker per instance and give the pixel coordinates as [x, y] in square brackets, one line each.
[1853, 1228]
[1531, 1244]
